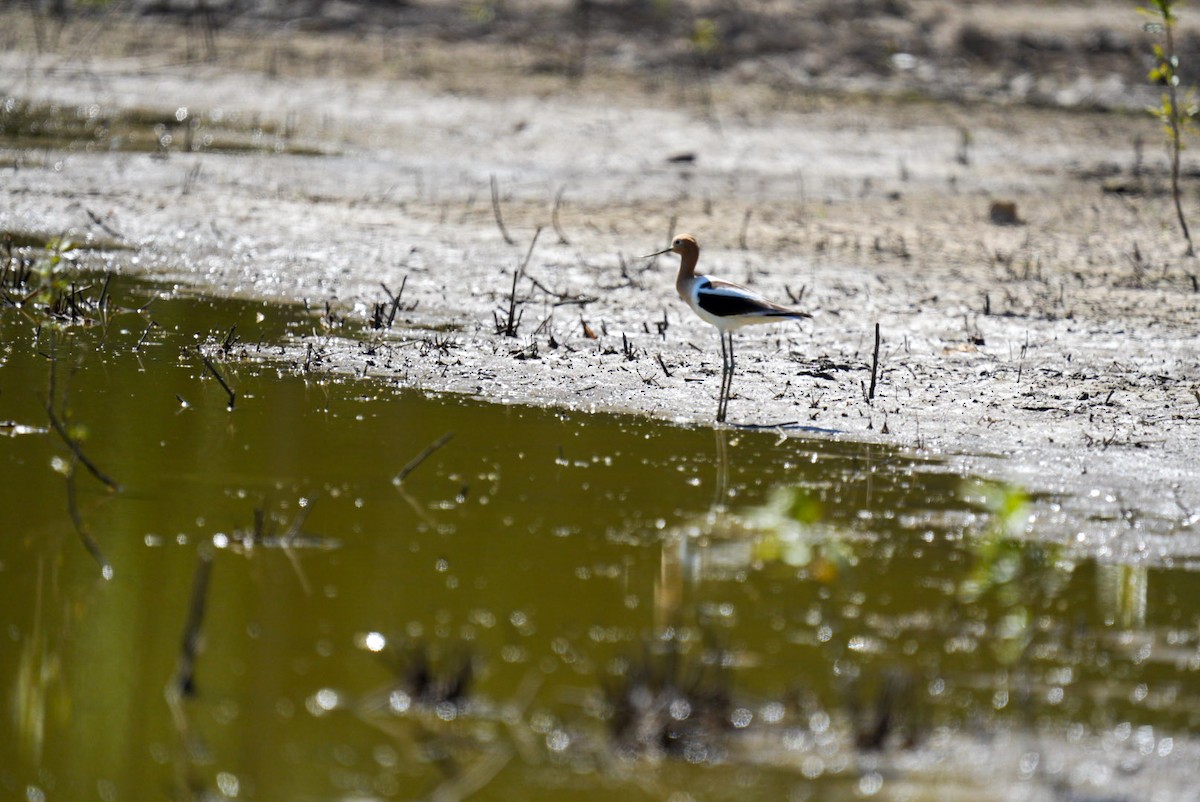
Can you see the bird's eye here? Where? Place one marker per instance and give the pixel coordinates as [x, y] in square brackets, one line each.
[676, 243]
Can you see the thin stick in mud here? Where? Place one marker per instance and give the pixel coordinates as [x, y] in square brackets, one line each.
[424, 455]
[509, 329]
[874, 367]
[496, 211]
[529, 253]
[395, 299]
[562, 238]
[230, 340]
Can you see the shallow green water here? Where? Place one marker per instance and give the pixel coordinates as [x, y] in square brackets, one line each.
[90, 127]
[777, 588]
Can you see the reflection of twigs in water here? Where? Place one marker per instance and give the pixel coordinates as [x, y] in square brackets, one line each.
[721, 489]
[668, 589]
[288, 539]
[476, 776]
[263, 534]
[677, 568]
[424, 723]
[208, 363]
[60, 428]
[182, 684]
[644, 699]
[513, 716]
[416, 507]
[294, 559]
[415, 463]
[89, 542]
[891, 712]
[76, 449]
[38, 669]
[77, 457]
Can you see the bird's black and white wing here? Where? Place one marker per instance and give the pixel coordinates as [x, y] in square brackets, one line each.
[726, 300]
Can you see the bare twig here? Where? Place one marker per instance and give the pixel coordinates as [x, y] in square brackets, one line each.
[102, 225]
[496, 211]
[1169, 112]
[874, 366]
[424, 455]
[529, 253]
[563, 298]
[795, 298]
[103, 301]
[627, 348]
[230, 340]
[395, 299]
[513, 321]
[742, 234]
[562, 238]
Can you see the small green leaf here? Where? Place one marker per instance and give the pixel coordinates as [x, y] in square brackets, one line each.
[704, 35]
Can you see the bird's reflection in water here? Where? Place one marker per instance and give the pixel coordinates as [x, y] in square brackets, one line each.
[723, 543]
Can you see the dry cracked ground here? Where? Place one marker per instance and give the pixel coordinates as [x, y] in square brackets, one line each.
[1056, 347]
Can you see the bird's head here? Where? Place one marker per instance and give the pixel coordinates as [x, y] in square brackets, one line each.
[682, 245]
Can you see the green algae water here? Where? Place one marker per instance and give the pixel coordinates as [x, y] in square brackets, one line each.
[341, 590]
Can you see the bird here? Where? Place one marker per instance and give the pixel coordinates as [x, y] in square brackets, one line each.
[723, 304]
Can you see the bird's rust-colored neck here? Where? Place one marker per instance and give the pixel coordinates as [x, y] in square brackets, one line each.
[689, 255]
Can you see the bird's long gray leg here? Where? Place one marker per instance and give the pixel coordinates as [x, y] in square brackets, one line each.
[724, 377]
[724, 370]
[729, 381]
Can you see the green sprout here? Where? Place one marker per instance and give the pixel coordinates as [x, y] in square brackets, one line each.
[1174, 111]
[705, 36]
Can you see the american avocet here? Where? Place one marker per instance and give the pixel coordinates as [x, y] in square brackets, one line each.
[723, 304]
